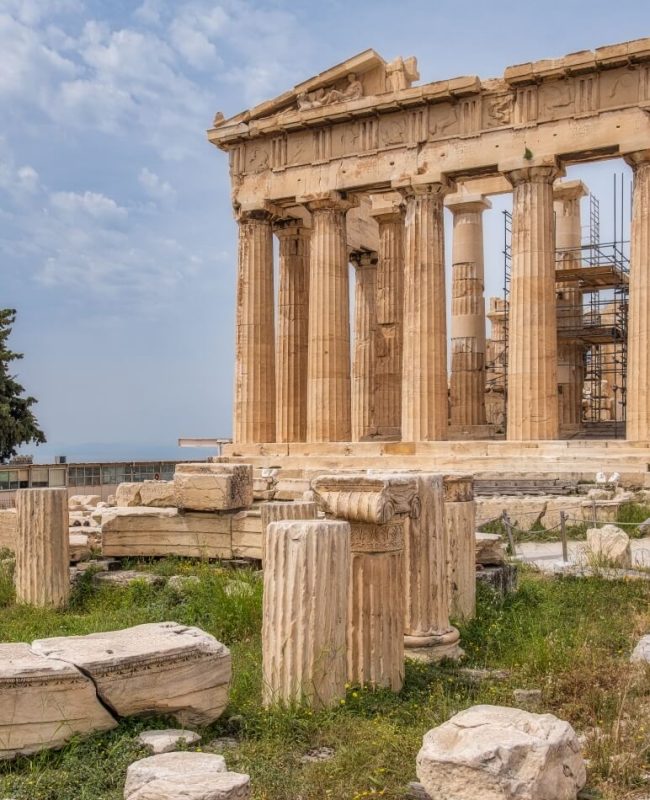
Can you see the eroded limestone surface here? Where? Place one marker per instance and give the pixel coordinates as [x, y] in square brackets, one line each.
[213, 487]
[161, 668]
[44, 702]
[497, 753]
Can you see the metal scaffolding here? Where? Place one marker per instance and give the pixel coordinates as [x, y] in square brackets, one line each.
[601, 275]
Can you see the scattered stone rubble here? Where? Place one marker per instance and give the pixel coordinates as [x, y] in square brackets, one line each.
[192, 776]
[608, 546]
[167, 741]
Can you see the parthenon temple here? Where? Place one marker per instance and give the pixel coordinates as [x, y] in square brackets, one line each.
[356, 166]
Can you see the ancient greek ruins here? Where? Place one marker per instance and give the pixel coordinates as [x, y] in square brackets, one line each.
[357, 165]
[369, 442]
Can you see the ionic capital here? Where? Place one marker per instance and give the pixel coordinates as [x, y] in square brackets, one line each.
[329, 201]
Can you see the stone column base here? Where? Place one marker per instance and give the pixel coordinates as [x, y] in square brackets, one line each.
[434, 647]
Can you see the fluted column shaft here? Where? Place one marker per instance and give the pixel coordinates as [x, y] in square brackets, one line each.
[365, 329]
[390, 309]
[424, 373]
[532, 336]
[281, 512]
[42, 547]
[254, 409]
[460, 522]
[305, 612]
[568, 239]
[427, 556]
[293, 323]
[328, 372]
[467, 312]
[638, 336]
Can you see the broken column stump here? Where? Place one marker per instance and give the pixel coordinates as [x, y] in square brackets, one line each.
[42, 547]
[460, 521]
[305, 612]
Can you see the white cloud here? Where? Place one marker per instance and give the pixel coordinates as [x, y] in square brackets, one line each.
[155, 186]
[92, 204]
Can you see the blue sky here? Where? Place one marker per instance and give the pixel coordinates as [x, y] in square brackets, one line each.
[117, 243]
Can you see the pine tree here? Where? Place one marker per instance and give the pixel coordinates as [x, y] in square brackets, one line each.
[18, 425]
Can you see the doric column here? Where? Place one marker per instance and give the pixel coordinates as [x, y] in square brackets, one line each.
[638, 331]
[390, 306]
[304, 625]
[328, 371]
[42, 547]
[570, 354]
[281, 512]
[467, 310]
[532, 324]
[365, 327]
[254, 411]
[424, 372]
[293, 321]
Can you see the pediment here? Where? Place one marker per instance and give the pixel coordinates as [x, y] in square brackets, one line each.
[363, 75]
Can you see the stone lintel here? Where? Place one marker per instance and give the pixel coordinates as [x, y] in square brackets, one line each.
[260, 210]
[290, 226]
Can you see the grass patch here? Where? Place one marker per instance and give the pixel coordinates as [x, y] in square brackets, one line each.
[571, 638]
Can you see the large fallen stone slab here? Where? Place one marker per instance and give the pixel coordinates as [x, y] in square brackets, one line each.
[165, 531]
[44, 702]
[190, 776]
[8, 529]
[213, 487]
[157, 494]
[156, 668]
[609, 546]
[496, 753]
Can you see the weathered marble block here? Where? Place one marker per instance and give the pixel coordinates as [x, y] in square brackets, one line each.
[157, 494]
[44, 702]
[489, 549]
[191, 776]
[165, 531]
[8, 529]
[158, 668]
[496, 753]
[305, 611]
[213, 487]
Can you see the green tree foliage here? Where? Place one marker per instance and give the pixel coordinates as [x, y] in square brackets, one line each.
[18, 425]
